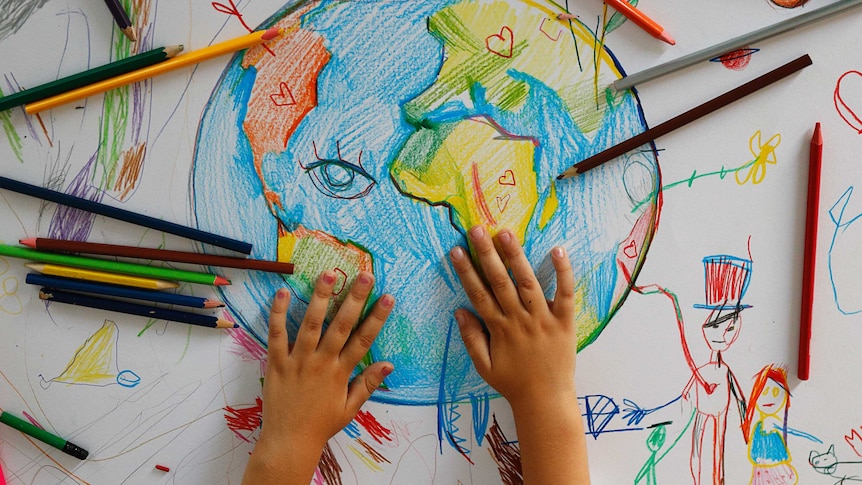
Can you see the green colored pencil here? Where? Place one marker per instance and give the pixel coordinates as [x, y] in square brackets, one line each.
[113, 266]
[91, 76]
[40, 434]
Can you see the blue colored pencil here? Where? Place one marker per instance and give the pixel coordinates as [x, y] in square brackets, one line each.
[82, 286]
[124, 215]
[59, 296]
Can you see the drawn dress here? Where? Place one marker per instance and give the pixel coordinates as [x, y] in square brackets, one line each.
[770, 458]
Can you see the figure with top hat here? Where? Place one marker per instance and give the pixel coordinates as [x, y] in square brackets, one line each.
[713, 384]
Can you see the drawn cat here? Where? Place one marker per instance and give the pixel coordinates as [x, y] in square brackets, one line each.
[827, 464]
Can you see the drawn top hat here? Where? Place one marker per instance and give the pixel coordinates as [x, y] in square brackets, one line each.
[726, 280]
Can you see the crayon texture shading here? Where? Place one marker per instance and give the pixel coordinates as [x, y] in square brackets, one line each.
[379, 132]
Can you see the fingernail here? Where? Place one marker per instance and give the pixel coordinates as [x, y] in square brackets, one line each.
[459, 318]
[559, 252]
[387, 370]
[457, 253]
[364, 279]
[505, 237]
[328, 278]
[281, 294]
[477, 233]
[387, 301]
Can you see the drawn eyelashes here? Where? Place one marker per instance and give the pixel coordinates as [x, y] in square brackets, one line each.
[338, 178]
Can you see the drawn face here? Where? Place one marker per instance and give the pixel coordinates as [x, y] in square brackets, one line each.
[721, 330]
[772, 399]
[376, 133]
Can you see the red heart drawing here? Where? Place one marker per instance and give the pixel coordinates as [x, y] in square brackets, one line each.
[710, 388]
[502, 43]
[631, 251]
[283, 97]
[503, 202]
[848, 98]
[508, 178]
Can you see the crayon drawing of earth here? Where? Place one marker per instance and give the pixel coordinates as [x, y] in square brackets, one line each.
[372, 135]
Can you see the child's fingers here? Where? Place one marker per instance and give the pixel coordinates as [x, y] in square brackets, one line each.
[528, 286]
[277, 341]
[480, 296]
[348, 314]
[564, 298]
[476, 341]
[360, 342]
[365, 384]
[309, 331]
[496, 274]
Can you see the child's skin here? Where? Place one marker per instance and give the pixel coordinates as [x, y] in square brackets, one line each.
[527, 354]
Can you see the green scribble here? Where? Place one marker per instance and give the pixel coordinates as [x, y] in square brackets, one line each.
[11, 133]
[150, 323]
[722, 173]
[617, 19]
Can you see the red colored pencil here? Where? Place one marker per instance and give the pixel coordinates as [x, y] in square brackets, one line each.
[63, 246]
[811, 217]
[641, 20]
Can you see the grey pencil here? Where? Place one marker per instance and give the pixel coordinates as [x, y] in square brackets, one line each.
[734, 44]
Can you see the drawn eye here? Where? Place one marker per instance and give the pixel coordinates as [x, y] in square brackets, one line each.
[338, 178]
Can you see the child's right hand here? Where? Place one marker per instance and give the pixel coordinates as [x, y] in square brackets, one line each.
[528, 351]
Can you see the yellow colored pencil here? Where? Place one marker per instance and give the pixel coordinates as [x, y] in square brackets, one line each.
[102, 276]
[177, 62]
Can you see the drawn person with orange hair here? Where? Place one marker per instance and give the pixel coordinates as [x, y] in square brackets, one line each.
[767, 435]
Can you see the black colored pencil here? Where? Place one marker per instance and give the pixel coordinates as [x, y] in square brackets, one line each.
[121, 17]
[124, 215]
[51, 294]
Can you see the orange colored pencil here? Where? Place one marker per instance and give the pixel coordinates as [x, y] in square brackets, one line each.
[641, 20]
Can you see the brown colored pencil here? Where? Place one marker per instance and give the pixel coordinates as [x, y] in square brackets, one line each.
[687, 117]
[60, 245]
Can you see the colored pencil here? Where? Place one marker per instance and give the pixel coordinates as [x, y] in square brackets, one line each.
[58, 296]
[177, 62]
[641, 20]
[123, 215]
[687, 117]
[121, 17]
[89, 77]
[815, 158]
[79, 286]
[60, 245]
[102, 277]
[734, 44]
[111, 266]
[40, 434]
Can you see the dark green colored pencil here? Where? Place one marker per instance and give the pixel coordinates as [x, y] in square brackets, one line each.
[85, 78]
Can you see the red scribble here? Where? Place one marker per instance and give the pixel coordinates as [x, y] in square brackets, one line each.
[542, 30]
[503, 202]
[233, 11]
[631, 251]
[284, 97]
[373, 427]
[244, 419]
[844, 109]
[342, 278]
[508, 178]
[32, 420]
[853, 440]
[504, 43]
[737, 60]
[480, 197]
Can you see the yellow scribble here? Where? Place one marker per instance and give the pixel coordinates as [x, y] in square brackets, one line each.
[764, 155]
[10, 303]
[371, 464]
[94, 361]
[550, 207]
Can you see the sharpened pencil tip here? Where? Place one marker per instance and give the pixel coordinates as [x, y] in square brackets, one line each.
[272, 33]
[817, 137]
[131, 34]
[666, 37]
[213, 304]
[31, 241]
[566, 16]
[220, 281]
